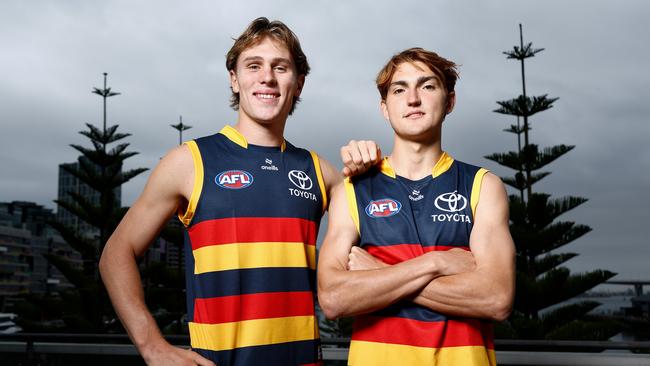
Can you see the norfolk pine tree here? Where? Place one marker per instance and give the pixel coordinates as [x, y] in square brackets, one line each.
[86, 307]
[542, 281]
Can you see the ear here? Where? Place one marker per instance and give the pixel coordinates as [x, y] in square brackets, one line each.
[234, 85]
[384, 109]
[300, 84]
[451, 101]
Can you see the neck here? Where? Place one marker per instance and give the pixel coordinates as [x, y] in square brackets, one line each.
[270, 133]
[414, 160]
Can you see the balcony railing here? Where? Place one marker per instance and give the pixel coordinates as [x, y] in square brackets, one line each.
[72, 349]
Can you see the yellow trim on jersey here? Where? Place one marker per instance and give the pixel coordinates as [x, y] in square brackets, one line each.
[442, 165]
[225, 257]
[319, 175]
[187, 216]
[257, 332]
[385, 168]
[476, 189]
[371, 353]
[235, 136]
[352, 202]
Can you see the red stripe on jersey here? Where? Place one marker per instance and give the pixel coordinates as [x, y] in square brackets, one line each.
[393, 254]
[253, 306]
[251, 230]
[451, 333]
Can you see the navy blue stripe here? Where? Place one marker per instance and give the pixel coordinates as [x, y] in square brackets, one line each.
[251, 281]
[283, 354]
[409, 310]
[189, 268]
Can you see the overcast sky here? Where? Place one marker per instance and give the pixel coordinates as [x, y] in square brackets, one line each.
[167, 59]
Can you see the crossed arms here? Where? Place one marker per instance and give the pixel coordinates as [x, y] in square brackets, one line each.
[479, 284]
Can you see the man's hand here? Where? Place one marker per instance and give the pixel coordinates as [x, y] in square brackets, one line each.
[449, 262]
[359, 260]
[167, 355]
[359, 156]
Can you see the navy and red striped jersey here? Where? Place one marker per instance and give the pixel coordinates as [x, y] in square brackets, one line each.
[399, 219]
[250, 243]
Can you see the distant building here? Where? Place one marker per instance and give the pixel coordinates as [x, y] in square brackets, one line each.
[165, 251]
[640, 306]
[69, 183]
[15, 250]
[24, 239]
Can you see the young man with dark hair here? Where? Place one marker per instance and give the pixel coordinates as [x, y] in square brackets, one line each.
[251, 203]
[418, 248]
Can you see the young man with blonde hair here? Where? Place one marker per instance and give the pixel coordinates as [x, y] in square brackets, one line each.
[418, 248]
[251, 203]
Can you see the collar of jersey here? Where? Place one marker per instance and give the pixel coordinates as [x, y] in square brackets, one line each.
[443, 164]
[233, 135]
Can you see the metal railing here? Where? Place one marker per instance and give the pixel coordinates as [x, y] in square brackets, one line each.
[30, 347]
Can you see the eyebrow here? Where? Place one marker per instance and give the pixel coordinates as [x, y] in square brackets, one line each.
[421, 80]
[259, 58]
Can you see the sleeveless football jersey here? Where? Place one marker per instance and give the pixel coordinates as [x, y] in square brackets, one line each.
[399, 219]
[250, 244]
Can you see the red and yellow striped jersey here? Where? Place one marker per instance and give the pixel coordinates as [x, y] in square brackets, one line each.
[250, 244]
[399, 219]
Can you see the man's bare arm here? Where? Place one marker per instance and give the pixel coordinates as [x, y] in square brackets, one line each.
[331, 177]
[167, 186]
[342, 292]
[488, 291]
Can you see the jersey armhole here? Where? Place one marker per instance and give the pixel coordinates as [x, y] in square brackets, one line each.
[352, 202]
[186, 217]
[319, 176]
[476, 189]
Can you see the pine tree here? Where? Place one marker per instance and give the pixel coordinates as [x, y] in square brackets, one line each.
[542, 281]
[100, 167]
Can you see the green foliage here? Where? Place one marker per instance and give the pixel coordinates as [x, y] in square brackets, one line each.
[541, 280]
[588, 329]
[520, 53]
[524, 106]
[86, 307]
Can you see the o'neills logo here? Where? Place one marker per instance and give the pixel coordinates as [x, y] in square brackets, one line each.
[383, 208]
[234, 179]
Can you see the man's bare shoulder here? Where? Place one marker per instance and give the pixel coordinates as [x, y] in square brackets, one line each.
[174, 173]
[331, 175]
[493, 187]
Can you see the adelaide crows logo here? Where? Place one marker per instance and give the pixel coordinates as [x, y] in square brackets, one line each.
[384, 207]
[234, 179]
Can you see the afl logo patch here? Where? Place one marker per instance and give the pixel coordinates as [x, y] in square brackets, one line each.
[383, 208]
[234, 179]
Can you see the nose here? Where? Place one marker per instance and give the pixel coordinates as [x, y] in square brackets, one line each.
[267, 76]
[413, 98]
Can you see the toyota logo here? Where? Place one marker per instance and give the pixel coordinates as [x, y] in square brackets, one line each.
[451, 202]
[300, 179]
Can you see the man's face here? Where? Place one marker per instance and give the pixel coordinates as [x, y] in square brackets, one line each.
[416, 102]
[266, 80]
